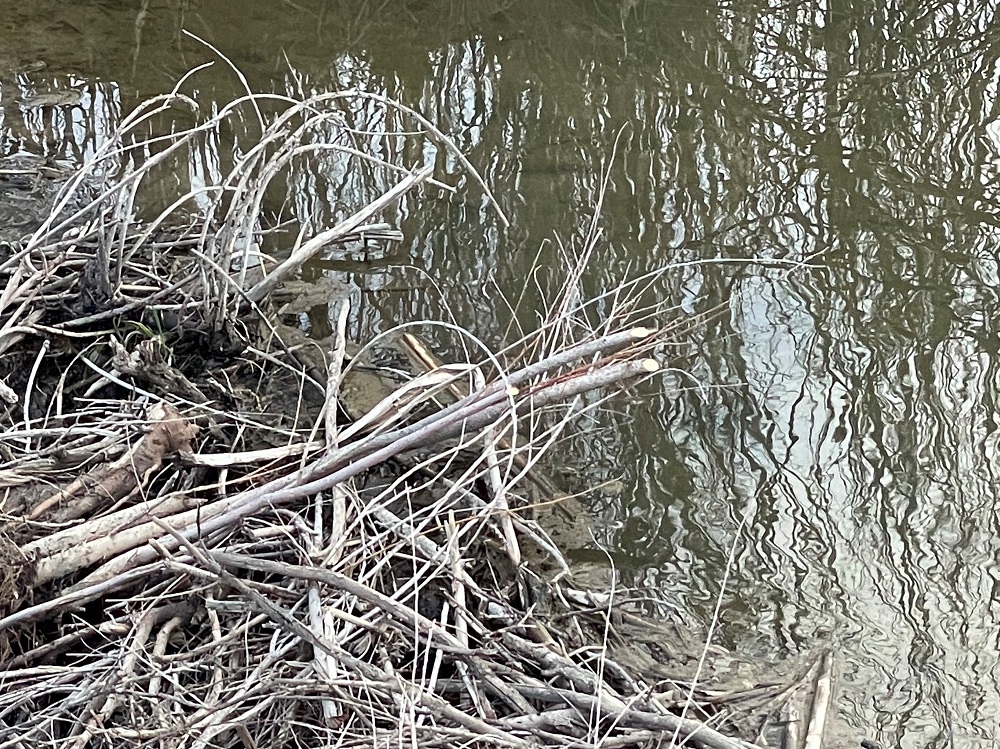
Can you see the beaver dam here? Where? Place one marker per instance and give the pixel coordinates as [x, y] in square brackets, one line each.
[218, 531]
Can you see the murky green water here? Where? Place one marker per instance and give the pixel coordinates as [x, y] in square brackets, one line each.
[845, 438]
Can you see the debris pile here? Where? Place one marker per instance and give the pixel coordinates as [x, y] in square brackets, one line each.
[209, 539]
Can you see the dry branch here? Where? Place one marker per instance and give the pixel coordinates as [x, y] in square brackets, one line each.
[169, 433]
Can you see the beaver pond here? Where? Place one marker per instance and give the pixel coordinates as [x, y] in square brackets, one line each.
[827, 445]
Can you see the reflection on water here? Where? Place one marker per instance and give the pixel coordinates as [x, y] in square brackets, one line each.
[847, 405]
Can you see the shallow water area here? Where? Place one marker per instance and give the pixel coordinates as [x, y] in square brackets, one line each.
[838, 425]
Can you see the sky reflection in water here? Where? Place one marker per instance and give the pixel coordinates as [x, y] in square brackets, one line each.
[847, 406]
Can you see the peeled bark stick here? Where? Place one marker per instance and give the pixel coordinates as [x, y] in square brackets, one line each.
[335, 373]
[426, 360]
[77, 597]
[820, 704]
[461, 623]
[579, 352]
[498, 391]
[73, 539]
[792, 718]
[295, 261]
[473, 414]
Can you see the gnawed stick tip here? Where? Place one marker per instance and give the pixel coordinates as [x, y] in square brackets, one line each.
[641, 332]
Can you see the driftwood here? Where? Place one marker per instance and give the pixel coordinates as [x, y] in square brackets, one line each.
[169, 434]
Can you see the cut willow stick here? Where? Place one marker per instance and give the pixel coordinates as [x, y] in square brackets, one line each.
[78, 597]
[461, 622]
[298, 257]
[820, 704]
[128, 548]
[791, 716]
[249, 457]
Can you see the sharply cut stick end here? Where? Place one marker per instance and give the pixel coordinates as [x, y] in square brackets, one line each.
[641, 332]
[651, 365]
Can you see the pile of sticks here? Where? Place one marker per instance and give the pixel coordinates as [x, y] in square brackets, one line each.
[183, 565]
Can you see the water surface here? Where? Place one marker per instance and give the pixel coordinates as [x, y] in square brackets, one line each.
[844, 432]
